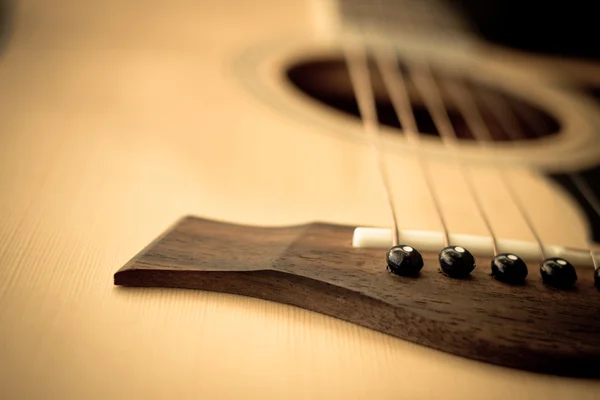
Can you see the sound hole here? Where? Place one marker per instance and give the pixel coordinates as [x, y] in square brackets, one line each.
[327, 81]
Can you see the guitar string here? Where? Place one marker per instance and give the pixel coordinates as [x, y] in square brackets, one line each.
[534, 124]
[396, 88]
[358, 69]
[503, 113]
[482, 135]
[581, 185]
[439, 113]
[360, 78]
[422, 77]
[593, 201]
[401, 103]
[359, 75]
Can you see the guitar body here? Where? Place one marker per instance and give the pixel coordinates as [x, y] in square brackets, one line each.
[118, 118]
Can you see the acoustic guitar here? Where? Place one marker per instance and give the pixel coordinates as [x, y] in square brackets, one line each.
[214, 161]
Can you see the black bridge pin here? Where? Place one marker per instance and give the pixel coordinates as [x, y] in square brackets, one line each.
[404, 260]
[558, 272]
[456, 261]
[509, 268]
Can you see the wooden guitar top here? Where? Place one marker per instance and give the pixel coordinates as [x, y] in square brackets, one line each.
[118, 117]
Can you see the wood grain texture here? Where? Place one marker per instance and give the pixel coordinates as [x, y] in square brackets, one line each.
[119, 116]
[314, 266]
